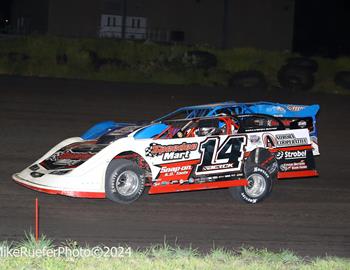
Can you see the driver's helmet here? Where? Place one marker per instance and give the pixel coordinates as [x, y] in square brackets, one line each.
[206, 131]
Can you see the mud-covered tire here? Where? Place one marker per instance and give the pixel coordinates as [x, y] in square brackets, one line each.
[259, 186]
[342, 78]
[250, 79]
[124, 181]
[295, 78]
[303, 62]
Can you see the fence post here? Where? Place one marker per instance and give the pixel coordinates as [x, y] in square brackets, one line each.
[36, 219]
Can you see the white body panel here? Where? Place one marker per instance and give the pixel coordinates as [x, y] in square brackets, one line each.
[90, 176]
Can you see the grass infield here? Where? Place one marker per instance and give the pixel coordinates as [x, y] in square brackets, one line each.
[155, 257]
[147, 62]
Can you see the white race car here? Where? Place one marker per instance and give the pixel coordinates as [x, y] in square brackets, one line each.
[245, 153]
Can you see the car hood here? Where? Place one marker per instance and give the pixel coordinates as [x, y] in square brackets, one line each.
[72, 155]
[75, 154]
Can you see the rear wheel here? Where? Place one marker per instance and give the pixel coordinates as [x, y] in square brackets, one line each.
[124, 181]
[259, 186]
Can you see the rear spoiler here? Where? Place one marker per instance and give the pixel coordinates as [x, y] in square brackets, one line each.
[291, 111]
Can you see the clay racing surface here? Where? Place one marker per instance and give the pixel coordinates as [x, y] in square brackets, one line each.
[310, 216]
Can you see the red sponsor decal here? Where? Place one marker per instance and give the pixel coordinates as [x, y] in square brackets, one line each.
[158, 149]
[293, 166]
[177, 170]
[80, 156]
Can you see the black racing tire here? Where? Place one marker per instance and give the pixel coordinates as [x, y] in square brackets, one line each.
[250, 79]
[303, 62]
[259, 186]
[118, 173]
[295, 78]
[342, 78]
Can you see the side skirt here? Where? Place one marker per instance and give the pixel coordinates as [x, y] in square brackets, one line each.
[190, 187]
[297, 174]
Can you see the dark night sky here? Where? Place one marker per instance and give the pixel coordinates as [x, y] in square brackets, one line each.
[320, 27]
[5, 9]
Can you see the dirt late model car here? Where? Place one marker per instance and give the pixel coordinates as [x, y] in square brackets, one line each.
[245, 153]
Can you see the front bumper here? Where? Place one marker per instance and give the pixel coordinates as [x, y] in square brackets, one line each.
[51, 190]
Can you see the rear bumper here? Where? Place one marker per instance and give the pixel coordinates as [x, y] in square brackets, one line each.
[50, 190]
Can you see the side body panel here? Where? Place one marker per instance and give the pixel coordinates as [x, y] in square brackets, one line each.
[218, 161]
[178, 164]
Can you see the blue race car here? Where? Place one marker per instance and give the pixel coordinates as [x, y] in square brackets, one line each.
[291, 115]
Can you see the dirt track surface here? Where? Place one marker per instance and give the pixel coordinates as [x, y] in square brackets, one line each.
[310, 216]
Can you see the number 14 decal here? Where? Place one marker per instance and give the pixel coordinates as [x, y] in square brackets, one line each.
[219, 158]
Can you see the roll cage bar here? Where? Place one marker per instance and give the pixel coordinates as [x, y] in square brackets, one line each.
[244, 123]
[176, 129]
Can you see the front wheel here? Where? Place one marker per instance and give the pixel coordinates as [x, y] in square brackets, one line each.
[124, 182]
[259, 186]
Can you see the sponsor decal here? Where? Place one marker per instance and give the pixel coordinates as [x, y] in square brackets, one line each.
[170, 172]
[191, 181]
[172, 151]
[71, 155]
[295, 154]
[295, 108]
[272, 168]
[281, 140]
[260, 129]
[280, 109]
[291, 154]
[294, 166]
[279, 155]
[254, 139]
[302, 124]
[175, 172]
[174, 182]
[269, 140]
[218, 167]
[76, 151]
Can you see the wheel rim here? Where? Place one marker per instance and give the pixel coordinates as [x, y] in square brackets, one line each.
[127, 183]
[256, 185]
